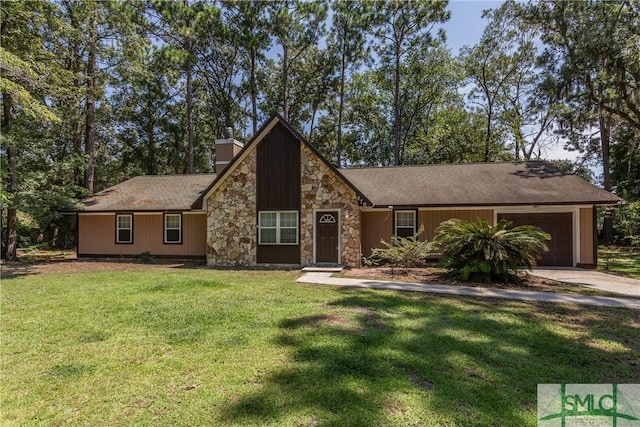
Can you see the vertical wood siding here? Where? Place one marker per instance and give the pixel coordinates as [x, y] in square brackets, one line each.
[587, 255]
[432, 219]
[376, 226]
[379, 225]
[278, 187]
[96, 236]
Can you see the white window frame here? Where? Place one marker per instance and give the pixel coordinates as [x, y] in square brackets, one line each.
[413, 214]
[278, 228]
[179, 228]
[130, 228]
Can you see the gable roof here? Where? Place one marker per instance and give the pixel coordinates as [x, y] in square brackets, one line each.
[259, 136]
[149, 193]
[476, 184]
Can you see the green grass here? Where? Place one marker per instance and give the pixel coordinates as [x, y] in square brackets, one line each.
[201, 347]
[621, 260]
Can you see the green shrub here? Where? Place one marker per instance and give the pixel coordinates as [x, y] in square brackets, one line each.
[146, 257]
[401, 253]
[480, 252]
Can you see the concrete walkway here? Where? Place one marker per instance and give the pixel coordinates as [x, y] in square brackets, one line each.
[324, 278]
[591, 279]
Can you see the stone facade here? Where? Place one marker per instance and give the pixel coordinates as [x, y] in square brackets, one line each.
[322, 189]
[231, 218]
[232, 237]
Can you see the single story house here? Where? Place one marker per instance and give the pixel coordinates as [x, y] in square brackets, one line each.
[277, 201]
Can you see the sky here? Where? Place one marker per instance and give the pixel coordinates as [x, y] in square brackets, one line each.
[466, 24]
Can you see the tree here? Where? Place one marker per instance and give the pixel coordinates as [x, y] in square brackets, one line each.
[87, 33]
[248, 24]
[296, 25]
[24, 83]
[220, 73]
[179, 24]
[399, 28]
[347, 38]
[593, 47]
[496, 66]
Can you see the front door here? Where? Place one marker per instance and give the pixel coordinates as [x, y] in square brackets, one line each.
[327, 237]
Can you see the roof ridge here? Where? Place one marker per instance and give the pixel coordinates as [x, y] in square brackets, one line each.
[172, 174]
[514, 162]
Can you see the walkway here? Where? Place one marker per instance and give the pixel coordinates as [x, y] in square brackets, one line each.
[324, 278]
[591, 279]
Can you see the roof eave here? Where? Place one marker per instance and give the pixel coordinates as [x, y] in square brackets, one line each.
[495, 204]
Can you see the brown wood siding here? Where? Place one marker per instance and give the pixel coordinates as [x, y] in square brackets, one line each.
[278, 171]
[96, 236]
[375, 226]
[278, 187]
[587, 255]
[558, 225]
[432, 219]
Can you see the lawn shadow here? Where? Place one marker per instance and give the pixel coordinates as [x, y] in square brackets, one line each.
[11, 270]
[382, 358]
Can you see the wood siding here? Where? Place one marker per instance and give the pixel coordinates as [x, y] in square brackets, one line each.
[96, 236]
[432, 219]
[376, 226]
[587, 236]
[278, 187]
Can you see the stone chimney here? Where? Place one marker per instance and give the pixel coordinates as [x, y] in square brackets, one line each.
[226, 149]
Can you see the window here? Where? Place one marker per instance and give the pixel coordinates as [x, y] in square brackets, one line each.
[173, 228]
[405, 223]
[278, 228]
[124, 228]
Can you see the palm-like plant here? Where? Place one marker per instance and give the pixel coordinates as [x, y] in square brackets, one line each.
[479, 251]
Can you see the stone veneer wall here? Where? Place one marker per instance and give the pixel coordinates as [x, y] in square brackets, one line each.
[322, 189]
[231, 218]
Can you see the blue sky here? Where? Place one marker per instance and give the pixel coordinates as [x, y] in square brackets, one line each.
[466, 25]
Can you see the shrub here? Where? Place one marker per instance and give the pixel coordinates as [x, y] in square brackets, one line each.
[146, 257]
[480, 252]
[402, 252]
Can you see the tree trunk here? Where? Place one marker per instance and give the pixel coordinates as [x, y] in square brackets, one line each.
[190, 150]
[340, 108]
[90, 119]
[396, 111]
[605, 134]
[254, 94]
[285, 81]
[487, 141]
[314, 111]
[11, 243]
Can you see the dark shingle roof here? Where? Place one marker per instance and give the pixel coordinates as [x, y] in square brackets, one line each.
[472, 184]
[150, 193]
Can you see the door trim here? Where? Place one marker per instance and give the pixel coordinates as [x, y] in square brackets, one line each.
[315, 221]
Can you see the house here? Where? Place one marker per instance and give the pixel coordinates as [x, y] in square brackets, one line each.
[277, 201]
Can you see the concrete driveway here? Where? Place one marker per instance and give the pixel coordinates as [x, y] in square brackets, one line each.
[591, 279]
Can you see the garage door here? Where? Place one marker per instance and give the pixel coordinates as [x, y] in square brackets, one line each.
[559, 226]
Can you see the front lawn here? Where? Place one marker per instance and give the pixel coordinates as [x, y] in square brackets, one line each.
[200, 347]
[621, 260]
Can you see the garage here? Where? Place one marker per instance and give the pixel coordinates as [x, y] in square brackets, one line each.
[558, 225]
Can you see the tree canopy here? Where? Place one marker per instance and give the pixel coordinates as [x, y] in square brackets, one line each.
[97, 92]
